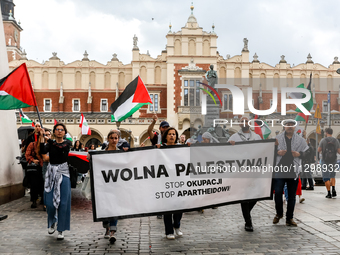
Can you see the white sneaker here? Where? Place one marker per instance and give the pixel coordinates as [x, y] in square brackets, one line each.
[53, 228]
[60, 236]
[107, 234]
[170, 236]
[178, 232]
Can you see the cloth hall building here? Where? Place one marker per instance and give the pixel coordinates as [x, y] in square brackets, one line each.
[65, 90]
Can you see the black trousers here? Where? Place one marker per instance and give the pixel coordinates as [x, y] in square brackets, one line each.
[246, 209]
[171, 221]
[36, 183]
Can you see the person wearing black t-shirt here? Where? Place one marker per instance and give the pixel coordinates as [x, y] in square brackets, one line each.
[57, 181]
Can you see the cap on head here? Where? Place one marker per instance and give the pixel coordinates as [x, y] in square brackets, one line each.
[164, 124]
[289, 121]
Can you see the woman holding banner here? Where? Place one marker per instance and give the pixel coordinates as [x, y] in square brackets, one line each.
[111, 226]
[172, 220]
[57, 195]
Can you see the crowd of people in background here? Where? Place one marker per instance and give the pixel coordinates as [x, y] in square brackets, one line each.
[47, 170]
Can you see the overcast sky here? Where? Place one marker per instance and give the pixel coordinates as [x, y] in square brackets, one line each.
[103, 27]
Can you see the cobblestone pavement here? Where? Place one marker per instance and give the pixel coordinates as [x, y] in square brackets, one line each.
[219, 231]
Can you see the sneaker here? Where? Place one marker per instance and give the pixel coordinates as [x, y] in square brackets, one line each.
[178, 232]
[301, 200]
[248, 227]
[277, 218]
[107, 234]
[34, 204]
[170, 236]
[53, 228]
[60, 236]
[329, 196]
[310, 188]
[112, 238]
[3, 217]
[291, 223]
[333, 193]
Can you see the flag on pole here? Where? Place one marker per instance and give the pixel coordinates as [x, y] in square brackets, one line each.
[264, 130]
[55, 122]
[308, 105]
[69, 137]
[24, 118]
[16, 90]
[317, 114]
[85, 129]
[133, 97]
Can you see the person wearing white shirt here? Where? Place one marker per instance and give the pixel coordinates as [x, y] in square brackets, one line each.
[245, 134]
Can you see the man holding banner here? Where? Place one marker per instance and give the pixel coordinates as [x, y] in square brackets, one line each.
[289, 153]
[245, 134]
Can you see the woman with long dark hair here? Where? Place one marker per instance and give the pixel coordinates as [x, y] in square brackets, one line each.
[172, 221]
[57, 181]
[34, 167]
[77, 146]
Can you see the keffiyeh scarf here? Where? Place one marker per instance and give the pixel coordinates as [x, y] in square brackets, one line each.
[297, 144]
[53, 178]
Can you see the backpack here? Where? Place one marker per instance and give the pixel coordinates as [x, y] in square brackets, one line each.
[309, 156]
[329, 154]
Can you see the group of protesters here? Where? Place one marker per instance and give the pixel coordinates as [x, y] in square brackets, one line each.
[50, 177]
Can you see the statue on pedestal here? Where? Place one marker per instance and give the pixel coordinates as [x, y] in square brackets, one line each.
[211, 76]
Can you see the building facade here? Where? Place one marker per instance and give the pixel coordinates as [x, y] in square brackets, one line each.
[65, 90]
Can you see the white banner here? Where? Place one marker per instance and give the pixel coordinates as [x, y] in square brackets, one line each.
[150, 181]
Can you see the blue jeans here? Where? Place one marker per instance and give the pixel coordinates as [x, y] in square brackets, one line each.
[63, 214]
[291, 190]
[112, 224]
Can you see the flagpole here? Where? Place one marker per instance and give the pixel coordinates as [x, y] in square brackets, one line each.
[39, 117]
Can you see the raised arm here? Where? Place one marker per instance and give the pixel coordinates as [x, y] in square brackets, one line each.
[151, 126]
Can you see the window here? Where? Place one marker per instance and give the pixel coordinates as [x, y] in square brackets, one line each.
[47, 105]
[227, 102]
[192, 93]
[154, 107]
[76, 105]
[103, 105]
[325, 106]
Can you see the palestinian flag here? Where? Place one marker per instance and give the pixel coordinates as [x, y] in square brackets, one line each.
[133, 97]
[16, 90]
[79, 160]
[24, 118]
[69, 137]
[308, 105]
[261, 128]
